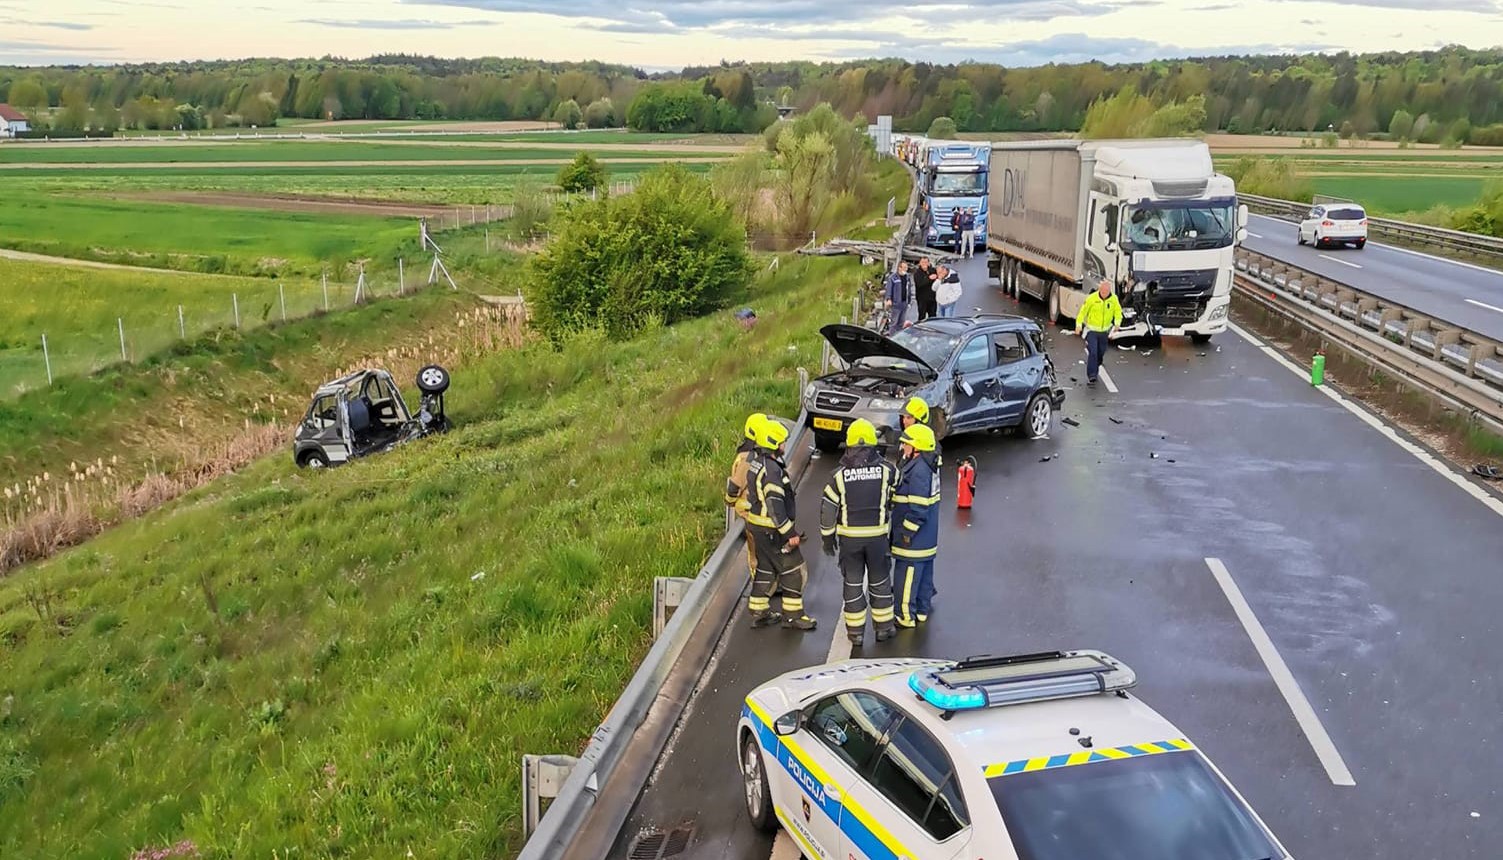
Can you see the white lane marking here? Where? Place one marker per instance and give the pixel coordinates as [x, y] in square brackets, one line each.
[1484, 305]
[1106, 378]
[1304, 714]
[1439, 466]
[1254, 235]
[1483, 269]
[1334, 260]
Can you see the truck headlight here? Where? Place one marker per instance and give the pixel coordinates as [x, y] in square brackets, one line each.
[880, 405]
[1219, 313]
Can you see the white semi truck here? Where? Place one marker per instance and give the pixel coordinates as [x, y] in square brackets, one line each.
[1151, 216]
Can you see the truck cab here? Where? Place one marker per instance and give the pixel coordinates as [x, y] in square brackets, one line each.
[955, 176]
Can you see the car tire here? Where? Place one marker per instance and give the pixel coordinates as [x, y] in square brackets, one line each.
[754, 786]
[1299, 237]
[1360, 243]
[313, 459]
[1199, 339]
[827, 442]
[433, 379]
[1038, 417]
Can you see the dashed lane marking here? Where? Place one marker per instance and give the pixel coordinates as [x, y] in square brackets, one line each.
[1335, 260]
[1254, 235]
[1304, 714]
[1484, 305]
[1106, 378]
[1437, 465]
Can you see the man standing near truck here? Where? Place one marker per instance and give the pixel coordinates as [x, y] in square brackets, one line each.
[1099, 317]
[923, 289]
[897, 292]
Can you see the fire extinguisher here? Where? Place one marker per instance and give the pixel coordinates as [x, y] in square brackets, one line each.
[966, 481]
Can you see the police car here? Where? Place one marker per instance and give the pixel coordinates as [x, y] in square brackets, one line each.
[1031, 757]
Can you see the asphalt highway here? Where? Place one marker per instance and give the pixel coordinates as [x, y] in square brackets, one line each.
[1463, 294]
[1374, 576]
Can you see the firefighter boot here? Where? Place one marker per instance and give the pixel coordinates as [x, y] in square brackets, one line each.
[803, 623]
[765, 618]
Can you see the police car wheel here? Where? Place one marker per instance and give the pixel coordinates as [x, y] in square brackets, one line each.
[1038, 417]
[754, 780]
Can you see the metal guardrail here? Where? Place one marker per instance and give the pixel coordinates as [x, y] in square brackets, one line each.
[1461, 366]
[1387, 228]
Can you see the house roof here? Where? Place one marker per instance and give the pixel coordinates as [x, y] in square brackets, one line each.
[10, 114]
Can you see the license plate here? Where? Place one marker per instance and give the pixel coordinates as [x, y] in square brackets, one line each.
[827, 424]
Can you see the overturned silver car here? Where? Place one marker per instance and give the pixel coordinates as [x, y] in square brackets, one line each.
[364, 413]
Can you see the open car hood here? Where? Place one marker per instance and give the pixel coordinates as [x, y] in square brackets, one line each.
[853, 343]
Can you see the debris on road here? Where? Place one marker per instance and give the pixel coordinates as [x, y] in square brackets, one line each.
[1492, 473]
[1114, 419]
[1153, 455]
[1048, 458]
[1072, 422]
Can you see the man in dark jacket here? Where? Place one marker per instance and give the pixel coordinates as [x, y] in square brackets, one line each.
[897, 292]
[922, 221]
[770, 519]
[854, 511]
[915, 526]
[923, 289]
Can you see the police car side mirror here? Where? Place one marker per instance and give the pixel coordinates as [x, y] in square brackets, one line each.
[787, 724]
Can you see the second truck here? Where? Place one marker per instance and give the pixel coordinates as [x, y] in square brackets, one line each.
[1153, 217]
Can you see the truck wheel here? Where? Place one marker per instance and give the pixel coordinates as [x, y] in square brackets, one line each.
[754, 781]
[1054, 315]
[1038, 417]
[313, 460]
[1200, 339]
[433, 379]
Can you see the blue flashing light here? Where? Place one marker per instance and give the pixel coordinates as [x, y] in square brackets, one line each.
[944, 697]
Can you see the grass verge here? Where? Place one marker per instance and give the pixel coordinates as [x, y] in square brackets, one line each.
[350, 663]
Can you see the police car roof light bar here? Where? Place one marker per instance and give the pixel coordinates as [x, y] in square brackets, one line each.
[991, 682]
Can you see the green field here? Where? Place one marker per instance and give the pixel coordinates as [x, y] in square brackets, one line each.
[296, 150]
[1393, 182]
[350, 663]
[78, 309]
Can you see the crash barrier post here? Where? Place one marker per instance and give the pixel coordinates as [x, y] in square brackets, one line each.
[667, 595]
[542, 778]
[567, 814]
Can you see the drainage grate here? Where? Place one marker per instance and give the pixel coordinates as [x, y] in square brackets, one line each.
[661, 845]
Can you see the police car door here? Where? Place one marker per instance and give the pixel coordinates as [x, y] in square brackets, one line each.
[910, 804]
[838, 742]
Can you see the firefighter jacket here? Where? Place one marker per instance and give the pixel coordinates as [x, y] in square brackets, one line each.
[858, 500]
[735, 488]
[915, 514]
[769, 493]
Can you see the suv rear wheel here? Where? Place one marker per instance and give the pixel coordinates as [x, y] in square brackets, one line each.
[1038, 417]
[313, 460]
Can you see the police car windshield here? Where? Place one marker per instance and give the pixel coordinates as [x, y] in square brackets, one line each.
[1165, 807]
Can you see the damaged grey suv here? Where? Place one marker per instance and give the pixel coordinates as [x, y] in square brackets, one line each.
[976, 373]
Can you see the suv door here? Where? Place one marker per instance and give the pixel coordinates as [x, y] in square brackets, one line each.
[838, 739]
[978, 393]
[912, 797]
[324, 426]
[1020, 372]
[1307, 226]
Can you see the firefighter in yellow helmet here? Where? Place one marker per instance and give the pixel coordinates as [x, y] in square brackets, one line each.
[735, 488]
[916, 411]
[855, 512]
[915, 526]
[770, 519]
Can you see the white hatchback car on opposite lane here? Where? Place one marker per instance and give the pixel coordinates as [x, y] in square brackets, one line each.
[1329, 224]
[1033, 757]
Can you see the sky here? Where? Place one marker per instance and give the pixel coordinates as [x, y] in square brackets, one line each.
[669, 34]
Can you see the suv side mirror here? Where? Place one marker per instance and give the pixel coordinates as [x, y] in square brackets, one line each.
[787, 724]
[961, 384]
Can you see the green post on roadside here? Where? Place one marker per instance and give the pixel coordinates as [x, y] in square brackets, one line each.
[1318, 369]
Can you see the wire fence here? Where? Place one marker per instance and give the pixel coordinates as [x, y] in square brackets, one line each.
[135, 333]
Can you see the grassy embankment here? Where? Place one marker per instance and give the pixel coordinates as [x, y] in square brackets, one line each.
[351, 662]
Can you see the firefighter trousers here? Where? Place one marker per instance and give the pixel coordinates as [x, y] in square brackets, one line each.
[865, 566]
[915, 583]
[751, 553]
[776, 569]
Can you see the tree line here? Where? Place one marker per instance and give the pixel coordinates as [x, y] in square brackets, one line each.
[1453, 93]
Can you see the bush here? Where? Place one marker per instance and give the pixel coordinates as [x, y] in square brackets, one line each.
[568, 114]
[1491, 135]
[668, 251]
[1401, 125]
[1270, 177]
[943, 128]
[1329, 140]
[1461, 131]
[531, 208]
[601, 114]
[585, 173]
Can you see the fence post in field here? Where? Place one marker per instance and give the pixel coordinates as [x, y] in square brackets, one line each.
[401, 277]
[282, 297]
[472, 214]
[326, 290]
[487, 238]
[235, 300]
[120, 323]
[182, 330]
[47, 359]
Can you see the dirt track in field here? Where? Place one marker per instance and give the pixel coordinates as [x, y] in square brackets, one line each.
[28, 257]
[224, 165]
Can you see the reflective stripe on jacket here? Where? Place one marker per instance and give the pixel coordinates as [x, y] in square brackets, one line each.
[770, 497]
[735, 488]
[858, 500]
[915, 517]
[1098, 314]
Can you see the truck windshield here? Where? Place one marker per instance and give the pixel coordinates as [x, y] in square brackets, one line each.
[1161, 226]
[1169, 806]
[958, 184]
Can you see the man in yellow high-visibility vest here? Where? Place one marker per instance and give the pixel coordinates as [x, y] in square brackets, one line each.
[1099, 317]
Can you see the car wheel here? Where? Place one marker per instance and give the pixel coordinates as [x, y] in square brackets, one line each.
[754, 781]
[433, 379]
[826, 441]
[1038, 417]
[1360, 243]
[1299, 236]
[313, 460]
[1199, 339]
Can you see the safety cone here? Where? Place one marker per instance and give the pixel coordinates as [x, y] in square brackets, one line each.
[966, 482]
